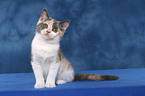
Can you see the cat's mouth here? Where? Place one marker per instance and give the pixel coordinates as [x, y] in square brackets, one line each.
[46, 34]
[48, 37]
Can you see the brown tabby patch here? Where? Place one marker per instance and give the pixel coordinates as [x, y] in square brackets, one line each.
[94, 77]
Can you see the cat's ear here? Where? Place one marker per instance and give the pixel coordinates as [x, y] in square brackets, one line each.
[63, 25]
[44, 15]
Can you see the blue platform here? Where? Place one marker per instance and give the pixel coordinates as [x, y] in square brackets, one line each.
[131, 83]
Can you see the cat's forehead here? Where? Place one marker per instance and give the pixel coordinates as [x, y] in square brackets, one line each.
[50, 21]
[47, 21]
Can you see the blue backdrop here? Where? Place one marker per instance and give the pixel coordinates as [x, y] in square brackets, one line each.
[103, 34]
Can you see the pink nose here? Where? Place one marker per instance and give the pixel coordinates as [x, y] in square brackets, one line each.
[48, 31]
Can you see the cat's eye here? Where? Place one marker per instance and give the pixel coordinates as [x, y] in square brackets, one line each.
[45, 25]
[54, 30]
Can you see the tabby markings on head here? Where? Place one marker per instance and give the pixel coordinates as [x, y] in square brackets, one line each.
[43, 25]
[54, 26]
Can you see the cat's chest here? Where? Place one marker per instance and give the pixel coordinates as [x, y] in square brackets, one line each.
[45, 50]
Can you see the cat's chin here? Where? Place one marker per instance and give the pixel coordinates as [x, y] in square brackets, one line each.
[46, 37]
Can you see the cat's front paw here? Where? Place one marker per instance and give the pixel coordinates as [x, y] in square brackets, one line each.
[39, 85]
[50, 85]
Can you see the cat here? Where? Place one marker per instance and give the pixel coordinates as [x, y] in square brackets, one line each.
[49, 64]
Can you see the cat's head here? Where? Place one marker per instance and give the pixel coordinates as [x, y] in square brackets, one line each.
[51, 29]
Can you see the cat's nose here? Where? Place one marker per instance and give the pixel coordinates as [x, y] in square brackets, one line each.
[48, 31]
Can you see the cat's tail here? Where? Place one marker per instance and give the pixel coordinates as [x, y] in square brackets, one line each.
[80, 77]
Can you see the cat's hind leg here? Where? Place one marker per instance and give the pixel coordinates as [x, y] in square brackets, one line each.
[60, 82]
[65, 77]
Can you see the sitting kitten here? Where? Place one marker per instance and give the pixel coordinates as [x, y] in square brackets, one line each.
[49, 64]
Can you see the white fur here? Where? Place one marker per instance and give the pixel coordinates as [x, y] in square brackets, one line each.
[42, 50]
[44, 63]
